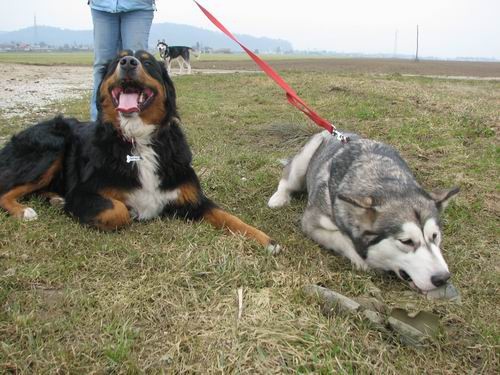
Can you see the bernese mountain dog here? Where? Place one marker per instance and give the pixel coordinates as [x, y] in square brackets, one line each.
[133, 163]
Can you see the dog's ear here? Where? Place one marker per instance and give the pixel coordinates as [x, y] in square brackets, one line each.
[169, 90]
[109, 67]
[366, 202]
[443, 197]
[364, 209]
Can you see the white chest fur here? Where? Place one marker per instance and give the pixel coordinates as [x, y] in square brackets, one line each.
[148, 201]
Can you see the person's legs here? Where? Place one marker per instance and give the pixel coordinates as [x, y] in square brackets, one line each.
[135, 27]
[106, 45]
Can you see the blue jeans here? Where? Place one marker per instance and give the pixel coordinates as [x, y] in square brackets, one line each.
[112, 33]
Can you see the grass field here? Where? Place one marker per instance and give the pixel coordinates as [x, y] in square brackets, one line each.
[161, 296]
[86, 58]
[300, 63]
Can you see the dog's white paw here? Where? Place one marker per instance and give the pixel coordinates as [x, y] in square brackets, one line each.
[360, 265]
[29, 214]
[278, 200]
[57, 202]
[273, 248]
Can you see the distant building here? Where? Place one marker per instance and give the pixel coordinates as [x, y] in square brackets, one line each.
[223, 50]
[42, 47]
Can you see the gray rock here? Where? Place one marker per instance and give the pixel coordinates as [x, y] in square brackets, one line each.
[331, 299]
[445, 292]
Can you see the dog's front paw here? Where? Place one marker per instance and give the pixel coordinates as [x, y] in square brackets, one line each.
[273, 248]
[360, 265]
[29, 214]
[278, 200]
[57, 202]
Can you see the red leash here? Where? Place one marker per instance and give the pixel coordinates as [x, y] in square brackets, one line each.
[291, 95]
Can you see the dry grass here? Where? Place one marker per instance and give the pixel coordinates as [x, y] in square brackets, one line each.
[162, 296]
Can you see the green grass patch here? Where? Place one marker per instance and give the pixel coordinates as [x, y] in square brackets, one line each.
[161, 295]
[48, 58]
[86, 58]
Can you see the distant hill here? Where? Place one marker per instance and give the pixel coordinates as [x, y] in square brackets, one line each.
[53, 36]
[174, 34]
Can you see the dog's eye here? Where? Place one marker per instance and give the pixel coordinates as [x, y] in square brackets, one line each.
[147, 63]
[407, 242]
[434, 237]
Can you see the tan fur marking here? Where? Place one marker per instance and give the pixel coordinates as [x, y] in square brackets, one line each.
[8, 201]
[113, 218]
[49, 173]
[116, 194]
[188, 194]
[109, 114]
[156, 111]
[222, 219]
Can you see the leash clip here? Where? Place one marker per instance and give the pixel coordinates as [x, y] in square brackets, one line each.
[340, 137]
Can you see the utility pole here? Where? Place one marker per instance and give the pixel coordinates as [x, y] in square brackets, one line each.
[416, 53]
[35, 30]
[396, 43]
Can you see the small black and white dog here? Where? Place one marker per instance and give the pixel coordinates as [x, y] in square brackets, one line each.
[365, 204]
[179, 53]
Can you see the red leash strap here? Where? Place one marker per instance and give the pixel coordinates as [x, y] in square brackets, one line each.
[291, 95]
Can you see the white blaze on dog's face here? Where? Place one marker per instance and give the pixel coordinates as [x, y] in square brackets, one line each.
[400, 235]
[413, 254]
[162, 48]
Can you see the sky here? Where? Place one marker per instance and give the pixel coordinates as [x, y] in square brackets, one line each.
[448, 28]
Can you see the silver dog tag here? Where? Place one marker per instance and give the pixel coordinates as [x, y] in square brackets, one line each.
[131, 158]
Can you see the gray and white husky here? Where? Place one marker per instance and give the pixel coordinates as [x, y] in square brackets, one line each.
[364, 203]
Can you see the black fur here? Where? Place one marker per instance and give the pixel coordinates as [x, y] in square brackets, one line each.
[31, 152]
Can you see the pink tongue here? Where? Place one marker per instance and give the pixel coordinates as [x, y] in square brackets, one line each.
[128, 102]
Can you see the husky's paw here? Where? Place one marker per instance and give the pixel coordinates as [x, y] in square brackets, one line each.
[360, 265]
[29, 214]
[273, 248]
[57, 202]
[278, 200]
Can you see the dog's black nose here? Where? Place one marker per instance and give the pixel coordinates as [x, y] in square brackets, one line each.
[129, 63]
[440, 279]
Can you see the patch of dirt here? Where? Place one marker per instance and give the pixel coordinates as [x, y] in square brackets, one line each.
[462, 69]
[31, 88]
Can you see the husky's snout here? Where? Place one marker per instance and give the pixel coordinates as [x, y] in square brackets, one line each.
[440, 279]
[437, 280]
